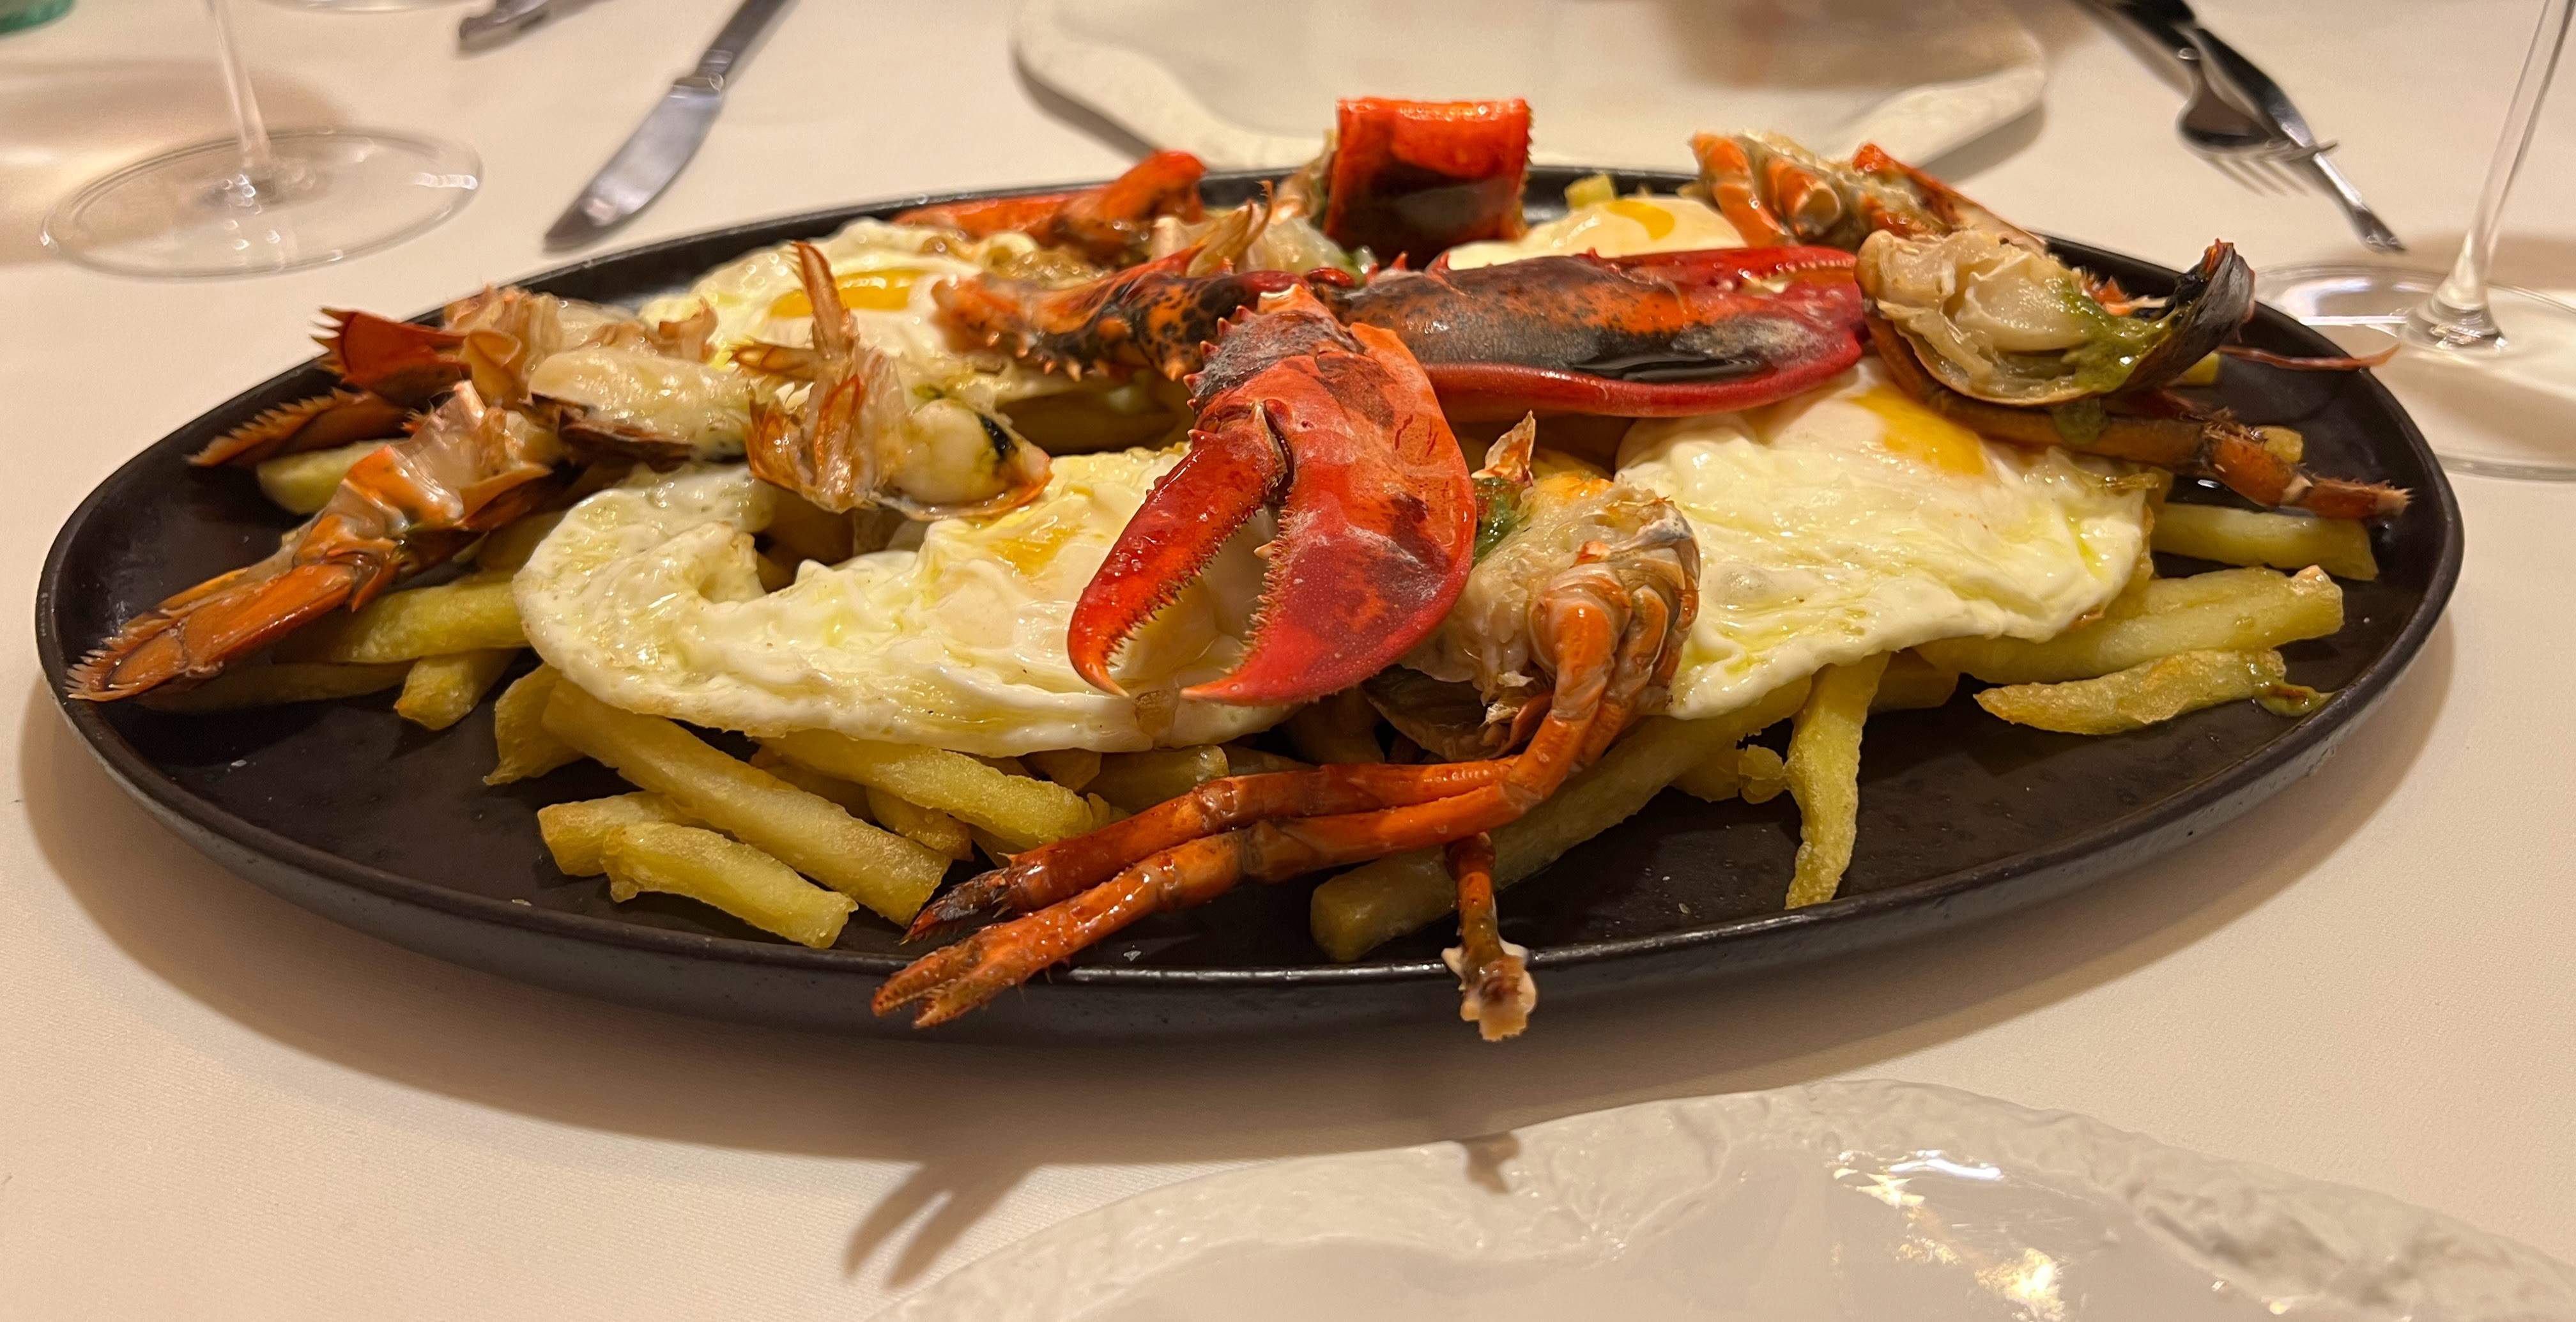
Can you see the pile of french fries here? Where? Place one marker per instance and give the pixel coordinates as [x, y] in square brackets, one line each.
[815, 825]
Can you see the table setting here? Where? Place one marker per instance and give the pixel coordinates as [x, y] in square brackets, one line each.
[964, 608]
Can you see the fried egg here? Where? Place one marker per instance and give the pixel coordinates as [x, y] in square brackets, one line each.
[1852, 520]
[647, 596]
[885, 273]
[1616, 228]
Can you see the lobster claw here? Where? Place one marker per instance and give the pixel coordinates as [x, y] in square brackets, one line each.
[1652, 335]
[1337, 426]
[1412, 178]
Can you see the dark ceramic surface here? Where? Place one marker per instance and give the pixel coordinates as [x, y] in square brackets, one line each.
[348, 811]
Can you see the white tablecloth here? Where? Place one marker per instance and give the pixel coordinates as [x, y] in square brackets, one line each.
[215, 1105]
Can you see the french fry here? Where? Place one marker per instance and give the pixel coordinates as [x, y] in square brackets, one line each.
[303, 483]
[1137, 781]
[1020, 811]
[526, 747]
[2256, 609]
[1763, 773]
[576, 833]
[811, 834]
[1824, 776]
[935, 830]
[852, 798]
[468, 615]
[1590, 190]
[279, 684]
[996, 850]
[1339, 728]
[1377, 902]
[732, 876]
[1721, 777]
[1245, 760]
[1913, 684]
[802, 530]
[1715, 780]
[509, 547]
[2147, 693]
[2341, 547]
[1072, 768]
[441, 689]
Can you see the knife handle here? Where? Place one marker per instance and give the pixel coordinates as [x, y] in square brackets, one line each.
[734, 42]
[2374, 232]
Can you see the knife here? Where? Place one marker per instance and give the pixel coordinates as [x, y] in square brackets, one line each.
[2256, 89]
[653, 156]
[504, 20]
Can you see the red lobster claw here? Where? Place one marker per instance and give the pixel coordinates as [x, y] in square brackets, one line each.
[1108, 223]
[1655, 335]
[1338, 426]
[1411, 178]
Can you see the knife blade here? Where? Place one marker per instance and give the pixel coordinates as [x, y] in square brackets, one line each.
[2255, 88]
[660, 146]
[504, 20]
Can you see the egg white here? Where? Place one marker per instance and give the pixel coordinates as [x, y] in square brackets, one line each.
[647, 597]
[1851, 521]
[745, 293]
[1620, 227]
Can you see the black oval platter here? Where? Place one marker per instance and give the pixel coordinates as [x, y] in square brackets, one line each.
[350, 812]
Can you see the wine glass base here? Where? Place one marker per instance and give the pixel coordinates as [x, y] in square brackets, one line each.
[2498, 400]
[325, 194]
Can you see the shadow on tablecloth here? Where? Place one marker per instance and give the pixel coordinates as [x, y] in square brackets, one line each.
[975, 1119]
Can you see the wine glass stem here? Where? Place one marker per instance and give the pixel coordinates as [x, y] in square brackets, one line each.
[247, 123]
[2459, 308]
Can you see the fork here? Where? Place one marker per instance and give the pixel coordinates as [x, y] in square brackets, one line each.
[2211, 122]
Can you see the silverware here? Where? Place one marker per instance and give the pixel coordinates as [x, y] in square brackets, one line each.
[2231, 71]
[504, 20]
[2209, 121]
[653, 156]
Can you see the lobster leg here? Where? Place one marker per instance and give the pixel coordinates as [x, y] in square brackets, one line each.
[1586, 632]
[1058, 871]
[1496, 992]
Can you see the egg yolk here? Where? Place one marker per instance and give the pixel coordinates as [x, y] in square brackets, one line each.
[1918, 433]
[888, 289]
[1657, 221]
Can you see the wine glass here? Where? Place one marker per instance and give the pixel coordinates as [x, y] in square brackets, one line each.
[2460, 332]
[259, 201]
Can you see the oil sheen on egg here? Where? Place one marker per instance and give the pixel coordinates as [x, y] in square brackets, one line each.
[885, 274]
[1852, 521]
[647, 596]
[1616, 228]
